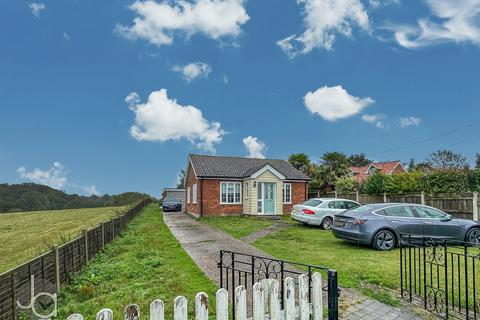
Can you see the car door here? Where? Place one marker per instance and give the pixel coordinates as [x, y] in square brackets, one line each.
[403, 219]
[336, 206]
[437, 224]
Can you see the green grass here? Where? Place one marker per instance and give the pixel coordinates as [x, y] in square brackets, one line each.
[24, 235]
[358, 267]
[144, 264]
[238, 227]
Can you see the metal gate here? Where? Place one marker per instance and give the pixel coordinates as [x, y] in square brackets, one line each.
[243, 269]
[441, 276]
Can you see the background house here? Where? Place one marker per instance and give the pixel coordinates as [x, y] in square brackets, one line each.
[388, 167]
[232, 185]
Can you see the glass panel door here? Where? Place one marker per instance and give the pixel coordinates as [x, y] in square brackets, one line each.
[269, 198]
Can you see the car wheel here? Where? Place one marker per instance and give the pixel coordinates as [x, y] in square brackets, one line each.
[473, 236]
[384, 240]
[327, 223]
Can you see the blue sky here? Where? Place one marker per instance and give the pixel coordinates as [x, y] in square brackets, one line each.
[111, 96]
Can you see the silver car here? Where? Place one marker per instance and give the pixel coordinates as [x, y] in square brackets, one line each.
[320, 211]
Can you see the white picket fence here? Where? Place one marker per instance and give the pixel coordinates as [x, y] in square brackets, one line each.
[266, 303]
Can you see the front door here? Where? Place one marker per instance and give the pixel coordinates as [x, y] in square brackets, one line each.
[266, 197]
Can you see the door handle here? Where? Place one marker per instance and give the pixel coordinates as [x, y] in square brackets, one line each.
[428, 222]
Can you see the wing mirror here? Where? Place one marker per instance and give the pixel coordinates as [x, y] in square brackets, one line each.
[447, 218]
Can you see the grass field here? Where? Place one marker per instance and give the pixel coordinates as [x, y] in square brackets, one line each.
[24, 235]
[145, 263]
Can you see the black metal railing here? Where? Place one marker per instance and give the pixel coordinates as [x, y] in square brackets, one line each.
[244, 269]
[441, 276]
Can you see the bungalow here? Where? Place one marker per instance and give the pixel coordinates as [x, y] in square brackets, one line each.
[388, 167]
[219, 186]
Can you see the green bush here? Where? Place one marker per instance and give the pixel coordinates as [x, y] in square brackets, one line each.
[374, 184]
[346, 185]
[474, 180]
[445, 181]
[403, 182]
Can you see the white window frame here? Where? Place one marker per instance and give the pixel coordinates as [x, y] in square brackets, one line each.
[188, 195]
[194, 194]
[239, 183]
[283, 193]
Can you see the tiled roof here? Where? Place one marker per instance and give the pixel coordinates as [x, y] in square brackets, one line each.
[361, 173]
[239, 168]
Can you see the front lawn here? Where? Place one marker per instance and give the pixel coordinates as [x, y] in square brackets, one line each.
[143, 264]
[358, 267]
[238, 227]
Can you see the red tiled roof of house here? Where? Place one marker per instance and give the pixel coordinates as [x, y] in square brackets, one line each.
[387, 167]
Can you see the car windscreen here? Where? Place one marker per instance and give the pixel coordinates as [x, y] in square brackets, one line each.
[170, 199]
[312, 202]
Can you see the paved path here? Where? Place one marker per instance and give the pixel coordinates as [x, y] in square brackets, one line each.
[274, 228]
[203, 243]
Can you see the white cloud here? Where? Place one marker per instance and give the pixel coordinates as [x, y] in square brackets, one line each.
[375, 4]
[193, 70]
[55, 177]
[91, 190]
[37, 8]
[66, 36]
[255, 147]
[375, 119]
[323, 19]
[453, 21]
[158, 23]
[162, 119]
[409, 121]
[334, 103]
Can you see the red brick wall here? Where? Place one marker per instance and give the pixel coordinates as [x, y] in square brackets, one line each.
[191, 180]
[211, 200]
[299, 195]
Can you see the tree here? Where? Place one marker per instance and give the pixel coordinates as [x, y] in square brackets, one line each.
[358, 160]
[333, 165]
[346, 185]
[181, 180]
[300, 161]
[446, 159]
[375, 184]
[477, 160]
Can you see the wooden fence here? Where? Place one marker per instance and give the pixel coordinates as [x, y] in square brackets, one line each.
[266, 303]
[56, 267]
[462, 205]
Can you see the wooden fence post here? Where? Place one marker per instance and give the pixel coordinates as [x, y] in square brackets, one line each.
[475, 206]
[157, 310]
[221, 304]
[289, 298]
[384, 197]
[357, 196]
[103, 234]
[422, 197]
[317, 296]
[336, 194]
[14, 295]
[113, 229]
[303, 305]
[85, 236]
[201, 306]
[56, 260]
[258, 301]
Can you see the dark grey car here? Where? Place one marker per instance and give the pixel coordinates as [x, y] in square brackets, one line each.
[381, 225]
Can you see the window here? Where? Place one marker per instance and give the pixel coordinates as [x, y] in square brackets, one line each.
[400, 211]
[194, 193]
[188, 195]
[287, 193]
[312, 202]
[230, 193]
[351, 205]
[426, 212]
[337, 205]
